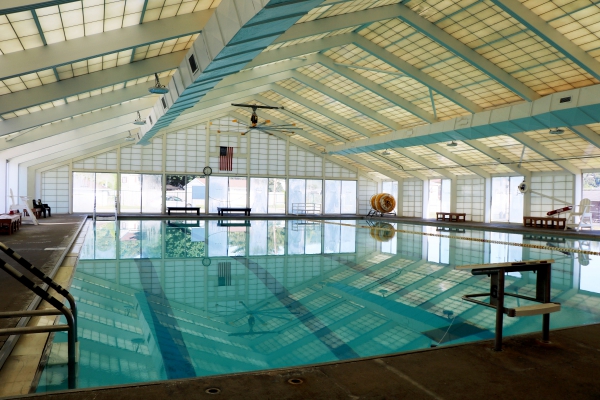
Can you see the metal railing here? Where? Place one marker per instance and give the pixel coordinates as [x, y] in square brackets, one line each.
[306, 208]
[95, 214]
[69, 314]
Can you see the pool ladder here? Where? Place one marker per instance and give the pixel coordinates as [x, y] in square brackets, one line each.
[69, 313]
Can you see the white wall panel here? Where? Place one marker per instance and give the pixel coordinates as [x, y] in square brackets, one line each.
[412, 201]
[101, 162]
[470, 198]
[549, 192]
[55, 189]
[366, 189]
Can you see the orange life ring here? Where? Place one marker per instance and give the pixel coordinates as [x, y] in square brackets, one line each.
[382, 232]
[383, 202]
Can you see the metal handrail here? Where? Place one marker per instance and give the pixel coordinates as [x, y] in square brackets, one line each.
[306, 208]
[94, 214]
[45, 278]
[70, 315]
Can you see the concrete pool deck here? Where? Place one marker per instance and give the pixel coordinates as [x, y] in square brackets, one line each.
[566, 368]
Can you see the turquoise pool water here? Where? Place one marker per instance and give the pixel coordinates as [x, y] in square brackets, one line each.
[174, 299]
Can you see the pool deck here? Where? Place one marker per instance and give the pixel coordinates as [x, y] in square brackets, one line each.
[566, 368]
[526, 368]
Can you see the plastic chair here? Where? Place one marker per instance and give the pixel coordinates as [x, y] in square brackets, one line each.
[584, 213]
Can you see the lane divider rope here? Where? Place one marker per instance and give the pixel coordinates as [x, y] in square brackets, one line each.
[531, 246]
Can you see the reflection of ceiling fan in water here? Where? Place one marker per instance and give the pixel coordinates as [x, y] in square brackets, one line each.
[266, 126]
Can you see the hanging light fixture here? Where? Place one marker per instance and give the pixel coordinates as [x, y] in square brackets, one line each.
[158, 88]
[139, 120]
[452, 144]
[385, 153]
[129, 138]
[556, 131]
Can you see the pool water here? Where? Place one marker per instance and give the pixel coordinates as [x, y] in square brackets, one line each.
[174, 299]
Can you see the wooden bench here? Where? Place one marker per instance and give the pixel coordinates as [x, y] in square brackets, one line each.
[496, 295]
[545, 222]
[245, 210]
[37, 212]
[197, 209]
[10, 223]
[450, 216]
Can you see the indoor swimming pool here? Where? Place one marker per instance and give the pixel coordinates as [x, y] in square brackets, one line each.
[183, 298]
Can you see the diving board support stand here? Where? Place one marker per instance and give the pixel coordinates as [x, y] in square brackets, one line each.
[497, 272]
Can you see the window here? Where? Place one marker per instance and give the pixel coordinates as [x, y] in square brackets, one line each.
[340, 197]
[185, 191]
[308, 192]
[141, 193]
[439, 196]
[227, 192]
[267, 195]
[89, 189]
[507, 201]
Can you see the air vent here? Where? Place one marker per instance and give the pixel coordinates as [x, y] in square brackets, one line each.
[565, 99]
[164, 103]
[193, 64]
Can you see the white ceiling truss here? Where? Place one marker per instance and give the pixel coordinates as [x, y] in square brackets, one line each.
[352, 73]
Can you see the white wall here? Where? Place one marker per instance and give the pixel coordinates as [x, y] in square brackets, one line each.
[549, 192]
[55, 189]
[186, 151]
[412, 202]
[366, 189]
[470, 197]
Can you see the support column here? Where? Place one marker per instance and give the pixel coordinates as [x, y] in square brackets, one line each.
[4, 201]
[453, 194]
[425, 198]
[487, 195]
[400, 197]
[577, 188]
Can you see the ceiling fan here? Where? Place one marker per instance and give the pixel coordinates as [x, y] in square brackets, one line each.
[266, 126]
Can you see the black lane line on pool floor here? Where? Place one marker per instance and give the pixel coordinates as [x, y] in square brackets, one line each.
[157, 310]
[311, 321]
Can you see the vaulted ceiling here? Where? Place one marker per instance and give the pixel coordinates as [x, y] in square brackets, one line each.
[74, 73]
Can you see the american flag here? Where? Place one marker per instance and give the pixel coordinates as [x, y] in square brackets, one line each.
[226, 158]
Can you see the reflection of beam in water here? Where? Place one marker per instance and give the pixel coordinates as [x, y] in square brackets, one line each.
[328, 337]
[163, 327]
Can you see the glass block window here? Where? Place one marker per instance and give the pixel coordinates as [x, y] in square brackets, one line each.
[557, 192]
[412, 202]
[55, 189]
[470, 198]
[303, 163]
[105, 161]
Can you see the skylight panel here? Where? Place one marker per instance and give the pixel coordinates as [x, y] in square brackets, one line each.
[431, 156]
[77, 97]
[358, 93]
[504, 41]
[332, 105]
[344, 8]
[313, 116]
[166, 47]
[161, 9]
[576, 20]
[419, 50]
[18, 32]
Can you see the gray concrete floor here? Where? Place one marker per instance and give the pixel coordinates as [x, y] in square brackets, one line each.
[566, 368]
[42, 245]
